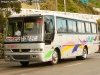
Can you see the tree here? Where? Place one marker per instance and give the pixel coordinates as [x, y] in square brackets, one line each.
[6, 8]
[2, 22]
[98, 21]
[48, 5]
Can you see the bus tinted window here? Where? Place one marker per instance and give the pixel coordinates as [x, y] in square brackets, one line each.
[88, 27]
[81, 28]
[49, 24]
[94, 27]
[61, 25]
[71, 26]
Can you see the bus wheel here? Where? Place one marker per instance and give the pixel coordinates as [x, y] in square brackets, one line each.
[54, 58]
[23, 63]
[84, 55]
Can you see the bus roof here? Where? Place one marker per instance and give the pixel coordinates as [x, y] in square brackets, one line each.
[78, 16]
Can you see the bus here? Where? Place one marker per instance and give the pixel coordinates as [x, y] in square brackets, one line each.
[49, 36]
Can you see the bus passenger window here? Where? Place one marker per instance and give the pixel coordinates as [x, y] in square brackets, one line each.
[94, 28]
[88, 27]
[61, 25]
[71, 26]
[81, 27]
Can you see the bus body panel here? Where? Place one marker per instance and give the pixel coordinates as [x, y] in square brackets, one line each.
[28, 52]
[69, 44]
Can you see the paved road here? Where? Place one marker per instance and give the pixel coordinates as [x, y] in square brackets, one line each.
[90, 66]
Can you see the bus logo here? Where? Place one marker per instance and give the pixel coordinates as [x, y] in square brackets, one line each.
[12, 46]
[20, 50]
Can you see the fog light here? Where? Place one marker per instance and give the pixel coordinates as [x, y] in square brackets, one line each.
[7, 58]
[41, 49]
[36, 50]
[35, 56]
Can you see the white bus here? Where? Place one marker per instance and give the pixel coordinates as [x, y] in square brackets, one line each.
[48, 36]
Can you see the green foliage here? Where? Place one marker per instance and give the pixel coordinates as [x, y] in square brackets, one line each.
[73, 9]
[95, 3]
[91, 10]
[30, 2]
[48, 5]
[6, 6]
[60, 7]
[71, 6]
[16, 7]
[98, 21]
[2, 22]
[75, 6]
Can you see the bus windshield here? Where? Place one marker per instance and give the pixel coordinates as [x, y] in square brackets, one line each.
[24, 29]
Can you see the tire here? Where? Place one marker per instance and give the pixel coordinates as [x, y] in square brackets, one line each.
[24, 63]
[54, 58]
[84, 55]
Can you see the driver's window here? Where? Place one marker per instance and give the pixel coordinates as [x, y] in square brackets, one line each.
[10, 30]
[13, 27]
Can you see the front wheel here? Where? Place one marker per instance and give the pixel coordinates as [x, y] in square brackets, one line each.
[54, 58]
[24, 63]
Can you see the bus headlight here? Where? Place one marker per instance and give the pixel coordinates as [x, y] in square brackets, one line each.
[36, 50]
[7, 50]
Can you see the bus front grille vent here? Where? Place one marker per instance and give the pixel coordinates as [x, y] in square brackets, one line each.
[23, 50]
[21, 57]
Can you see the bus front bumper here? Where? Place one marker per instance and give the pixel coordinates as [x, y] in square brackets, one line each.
[31, 57]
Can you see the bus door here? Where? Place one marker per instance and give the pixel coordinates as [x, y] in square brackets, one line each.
[49, 31]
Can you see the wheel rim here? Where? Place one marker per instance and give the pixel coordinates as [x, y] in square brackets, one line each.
[55, 57]
[84, 53]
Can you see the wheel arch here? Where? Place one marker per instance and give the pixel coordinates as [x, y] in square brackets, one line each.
[86, 48]
[58, 51]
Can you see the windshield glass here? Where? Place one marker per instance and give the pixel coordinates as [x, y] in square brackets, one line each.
[26, 29]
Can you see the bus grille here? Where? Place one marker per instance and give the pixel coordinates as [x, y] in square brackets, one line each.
[23, 50]
[21, 57]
